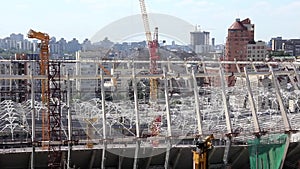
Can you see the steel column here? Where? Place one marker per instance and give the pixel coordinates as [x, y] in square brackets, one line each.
[252, 105]
[225, 101]
[282, 107]
[33, 141]
[136, 108]
[197, 104]
[168, 119]
[103, 120]
[167, 103]
[70, 132]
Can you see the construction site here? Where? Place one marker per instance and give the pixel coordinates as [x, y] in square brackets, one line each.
[158, 110]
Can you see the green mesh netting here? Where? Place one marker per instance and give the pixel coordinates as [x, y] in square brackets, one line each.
[267, 153]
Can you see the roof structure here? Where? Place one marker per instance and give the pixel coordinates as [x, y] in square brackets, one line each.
[237, 25]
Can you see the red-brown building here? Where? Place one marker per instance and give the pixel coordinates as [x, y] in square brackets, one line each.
[240, 33]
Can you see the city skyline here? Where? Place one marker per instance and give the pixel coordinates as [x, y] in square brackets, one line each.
[81, 19]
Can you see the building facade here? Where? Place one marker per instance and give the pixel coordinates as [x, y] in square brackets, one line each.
[292, 47]
[200, 41]
[240, 34]
[256, 51]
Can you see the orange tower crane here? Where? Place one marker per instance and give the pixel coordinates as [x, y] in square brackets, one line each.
[44, 70]
[153, 51]
[51, 114]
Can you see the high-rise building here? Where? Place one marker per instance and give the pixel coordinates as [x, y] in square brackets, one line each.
[240, 34]
[276, 43]
[292, 47]
[200, 41]
[17, 37]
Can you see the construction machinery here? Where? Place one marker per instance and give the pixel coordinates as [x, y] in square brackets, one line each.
[114, 80]
[200, 154]
[44, 70]
[153, 51]
[51, 101]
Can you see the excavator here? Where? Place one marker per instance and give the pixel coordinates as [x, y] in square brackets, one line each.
[200, 154]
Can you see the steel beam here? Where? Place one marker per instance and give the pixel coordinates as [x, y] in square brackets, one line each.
[252, 104]
[168, 119]
[237, 66]
[225, 101]
[32, 161]
[167, 103]
[282, 107]
[295, 85]
[226, 151]
[136, 108]
[70, 132]
[103, 121]
[197, 104]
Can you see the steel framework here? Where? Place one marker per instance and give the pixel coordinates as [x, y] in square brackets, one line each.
[262, 101]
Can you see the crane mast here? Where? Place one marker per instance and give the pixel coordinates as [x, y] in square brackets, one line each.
[44, 70]
[51, 100]
[153, 50]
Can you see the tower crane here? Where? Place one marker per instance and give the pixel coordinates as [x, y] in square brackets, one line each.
[153, 50]
[51, 114]
[44, 70]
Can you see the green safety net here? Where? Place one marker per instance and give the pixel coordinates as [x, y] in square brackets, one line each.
[267, 152]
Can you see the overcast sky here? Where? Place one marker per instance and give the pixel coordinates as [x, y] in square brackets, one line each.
[83, 18]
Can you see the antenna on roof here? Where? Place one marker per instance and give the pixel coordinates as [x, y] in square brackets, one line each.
[197, 28]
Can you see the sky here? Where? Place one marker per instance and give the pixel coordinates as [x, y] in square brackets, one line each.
[84, 18]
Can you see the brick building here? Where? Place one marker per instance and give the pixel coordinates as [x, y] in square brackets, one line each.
[240, 34]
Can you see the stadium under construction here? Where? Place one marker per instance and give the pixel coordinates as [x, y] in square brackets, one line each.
[79, 115]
